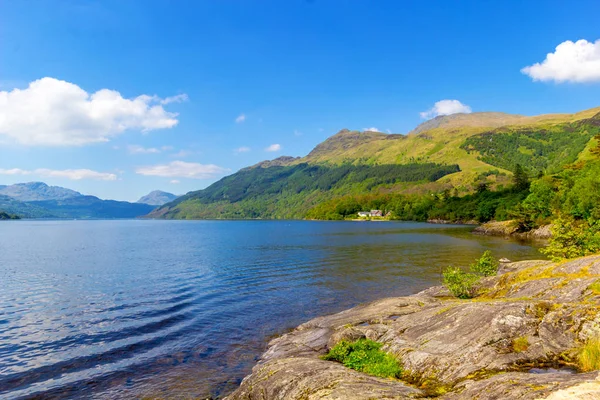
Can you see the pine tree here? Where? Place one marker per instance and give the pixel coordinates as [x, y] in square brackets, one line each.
[520, 179]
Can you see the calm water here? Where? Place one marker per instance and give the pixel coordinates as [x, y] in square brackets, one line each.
[181, 309]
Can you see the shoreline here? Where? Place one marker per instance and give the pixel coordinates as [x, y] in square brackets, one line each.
[451, 349]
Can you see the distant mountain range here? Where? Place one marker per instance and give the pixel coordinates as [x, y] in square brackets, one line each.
[38, 200]
[157, 198]
[453, 153]
[37, 191]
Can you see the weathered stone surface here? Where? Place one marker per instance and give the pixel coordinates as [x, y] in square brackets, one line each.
[462, 347]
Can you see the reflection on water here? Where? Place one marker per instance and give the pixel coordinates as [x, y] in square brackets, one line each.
[115, 309]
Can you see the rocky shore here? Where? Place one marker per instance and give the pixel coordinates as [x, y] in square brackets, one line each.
[509, 228]
[452, 349]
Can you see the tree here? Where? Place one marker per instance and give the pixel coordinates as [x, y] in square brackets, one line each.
[520, 179]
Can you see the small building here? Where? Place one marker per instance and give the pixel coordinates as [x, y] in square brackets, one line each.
[372, 213]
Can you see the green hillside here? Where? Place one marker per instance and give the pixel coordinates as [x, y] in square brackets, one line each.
[454, 153]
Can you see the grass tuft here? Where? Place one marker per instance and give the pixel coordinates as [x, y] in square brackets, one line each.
[595, 287]
[589, 356]
[366, 356]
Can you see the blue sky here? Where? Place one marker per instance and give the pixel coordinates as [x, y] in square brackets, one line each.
[143, 95]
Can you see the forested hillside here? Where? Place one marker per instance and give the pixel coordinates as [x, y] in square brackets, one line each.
[290, 191]
[457, 167]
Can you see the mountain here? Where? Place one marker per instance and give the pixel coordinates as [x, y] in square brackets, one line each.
[157, 198]
[36, 191]
[456, 152]
[38, 200]
[83, 207]
[23, 209]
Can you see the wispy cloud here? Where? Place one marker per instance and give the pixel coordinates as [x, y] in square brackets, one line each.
[182, 169]
[576, 62]
[242, 149]
[297, 133]
[180, 98]
[241, 118]
[136, 149]
[373, 129]
[72, 174]
[51, 112]
[274, 147]
[446, 107]
[174, 182]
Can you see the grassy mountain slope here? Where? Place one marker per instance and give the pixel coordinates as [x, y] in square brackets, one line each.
[462, 150]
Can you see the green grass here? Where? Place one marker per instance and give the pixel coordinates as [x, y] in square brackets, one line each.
[589, 356]
[366, 356]
[595, 287]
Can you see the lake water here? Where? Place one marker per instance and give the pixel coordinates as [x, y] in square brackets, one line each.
[182, 309]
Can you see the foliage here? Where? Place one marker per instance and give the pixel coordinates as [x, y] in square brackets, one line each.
[460, 283]
[573, 238]
[589, 356]
[520, 179]
[520, 344]
[290, 191]
[4, 215]
[540, 148]
[487, 265]
[365, 356]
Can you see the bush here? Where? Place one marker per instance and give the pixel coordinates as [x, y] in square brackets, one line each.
[460, 283]
[365, 356]
[589, 356]
[486, 265]
[572, 238]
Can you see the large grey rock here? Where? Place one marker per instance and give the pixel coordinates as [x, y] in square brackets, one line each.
[463, 349]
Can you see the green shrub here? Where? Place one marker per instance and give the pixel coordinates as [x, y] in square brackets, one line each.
[460, 283]
[486, 265]
[365, 356]
[589, 356]
[573, 238]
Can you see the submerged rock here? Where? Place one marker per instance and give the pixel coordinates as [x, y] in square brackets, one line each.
[534, 316]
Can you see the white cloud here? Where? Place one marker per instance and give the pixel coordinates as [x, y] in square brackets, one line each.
[136, 149]
[273, 147]
[180, 98]
[175, 182]
[242, 149]
[297, 133]
[571, 62]
[72, 174]
[446, 107]
[51, 112]
[241, 118]
[181, 169]
[371, 129]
